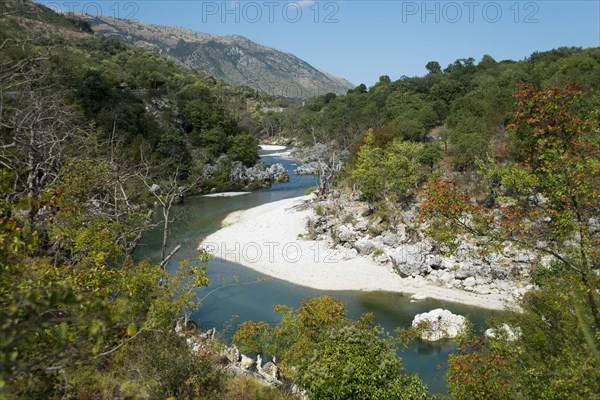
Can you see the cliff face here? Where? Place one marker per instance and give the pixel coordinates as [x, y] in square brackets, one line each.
[234, 59]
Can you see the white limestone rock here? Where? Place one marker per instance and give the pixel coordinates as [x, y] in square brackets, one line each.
[439, 324]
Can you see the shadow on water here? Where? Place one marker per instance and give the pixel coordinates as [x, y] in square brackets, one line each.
[226, 308]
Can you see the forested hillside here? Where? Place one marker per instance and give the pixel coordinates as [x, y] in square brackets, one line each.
[235, 59]
[464, 108]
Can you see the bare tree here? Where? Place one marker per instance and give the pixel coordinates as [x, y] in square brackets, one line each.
[36, 125]
[329, 152]
[166, 195]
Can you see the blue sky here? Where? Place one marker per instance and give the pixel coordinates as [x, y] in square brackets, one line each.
[361, 40]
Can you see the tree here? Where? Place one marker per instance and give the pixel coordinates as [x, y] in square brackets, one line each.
[243, 148]
[357, 361]
[388, 174]
[167, 195]
[331, 356]
[550, 200]
[433, 67]
[38, 125]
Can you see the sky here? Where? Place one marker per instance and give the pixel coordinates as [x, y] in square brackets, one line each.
[360, 40]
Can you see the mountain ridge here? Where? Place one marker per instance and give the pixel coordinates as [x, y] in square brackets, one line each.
[234, 58]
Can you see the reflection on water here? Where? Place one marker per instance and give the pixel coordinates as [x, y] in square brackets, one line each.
[227, 307]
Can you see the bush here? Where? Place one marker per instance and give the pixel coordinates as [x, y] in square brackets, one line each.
[164, 364]
[357, 361]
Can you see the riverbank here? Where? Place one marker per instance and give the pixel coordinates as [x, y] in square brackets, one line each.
[270, 239]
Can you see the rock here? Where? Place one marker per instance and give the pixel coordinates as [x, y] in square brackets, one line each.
[469, 282]
[278, 173]
[247, 362]
[434, 261]
[271, 370]
[344, 234]
[418, 296]
[504, 332]
[231, 353]
[311, 168]
[439, 324]
[463, 273]
[208, 335]
[364, 246]
[503, 285]
[382, 259]
[193, 345]
[361, 226]
[408, 260]
[446, 277]
[482, 289]
[391, 239]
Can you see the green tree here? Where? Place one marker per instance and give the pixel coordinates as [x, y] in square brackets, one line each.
[550, 200]
[433, 67]
[331, 356]
[243, 148]
[390, 173]
[357, 361]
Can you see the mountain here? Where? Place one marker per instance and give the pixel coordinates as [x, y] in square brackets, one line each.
[234, 59]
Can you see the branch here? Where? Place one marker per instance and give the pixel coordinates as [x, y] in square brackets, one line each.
[164, 262]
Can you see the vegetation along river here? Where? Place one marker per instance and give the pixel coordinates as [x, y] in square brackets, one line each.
[227, 307]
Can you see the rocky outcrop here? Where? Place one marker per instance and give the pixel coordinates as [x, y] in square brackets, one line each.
[314, 159]
[439, 324]
[260, 175]
[353, 228]
[311, 168]
[232, 359]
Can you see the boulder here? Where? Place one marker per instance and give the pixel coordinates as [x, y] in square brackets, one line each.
[232, 354]
[434, 261]
[364, 246]
[271, 370]
[154, 188]
[345, 234]
[409, 260]
[247, 362]
[361, 225]
[278, 173]
[391, 239]
[311, 168]
[439, 324]
[469, 282]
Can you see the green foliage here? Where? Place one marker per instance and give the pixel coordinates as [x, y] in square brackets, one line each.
[331, 356]
[390, 173]
[249, 389]
[166, 367]
[243, 148]
[480, 372]
[550, 200]
[357, 361]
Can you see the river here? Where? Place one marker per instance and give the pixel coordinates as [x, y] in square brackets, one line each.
[226, 308]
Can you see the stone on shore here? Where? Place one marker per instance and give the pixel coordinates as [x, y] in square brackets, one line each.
[439, 324]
